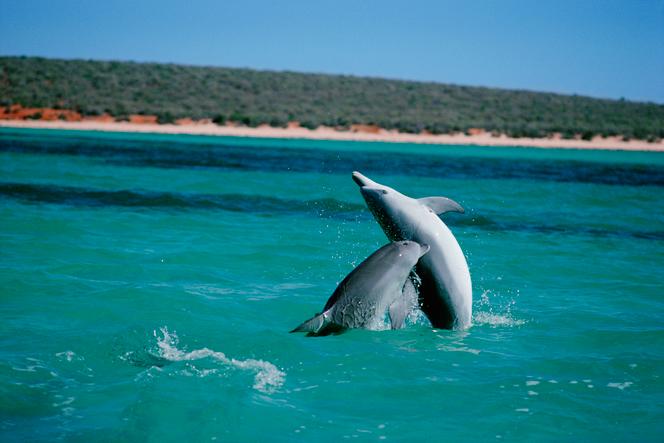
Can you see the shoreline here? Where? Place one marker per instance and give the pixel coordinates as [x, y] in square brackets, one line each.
[326, 133]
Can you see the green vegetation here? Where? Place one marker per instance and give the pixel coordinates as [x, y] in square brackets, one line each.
[261, 97]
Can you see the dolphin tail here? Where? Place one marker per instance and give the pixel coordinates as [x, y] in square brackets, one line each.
[314, 324]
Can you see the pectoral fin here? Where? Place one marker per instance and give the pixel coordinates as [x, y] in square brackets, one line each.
[398, 313]
[314, 325]
[440, 205]
[402, 306]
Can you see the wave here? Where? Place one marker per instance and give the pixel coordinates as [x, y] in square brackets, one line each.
[226, 156]
[328, 208]
[87, 197]
[267, 377]
[501, 224]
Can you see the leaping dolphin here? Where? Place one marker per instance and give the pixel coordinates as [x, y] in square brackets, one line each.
[445, 291]
[373, 287]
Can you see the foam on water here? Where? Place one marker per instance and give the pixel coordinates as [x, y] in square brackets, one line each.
[68, 356]
[485, 315]
[268, 378]
[620, 386]
[495, 320]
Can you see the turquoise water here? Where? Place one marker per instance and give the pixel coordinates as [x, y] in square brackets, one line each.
[149, 283]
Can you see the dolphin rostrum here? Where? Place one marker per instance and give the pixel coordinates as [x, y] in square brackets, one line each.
[373, 287]
[445, 291]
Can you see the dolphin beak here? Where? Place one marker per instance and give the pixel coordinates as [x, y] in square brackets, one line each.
[361, 180]
[424, 248]
[370, 193]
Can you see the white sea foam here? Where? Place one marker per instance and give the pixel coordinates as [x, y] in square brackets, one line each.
[379, 324]
[417, 317]
[620, 386]
[68, 355]
[495, 320]
[267, 376]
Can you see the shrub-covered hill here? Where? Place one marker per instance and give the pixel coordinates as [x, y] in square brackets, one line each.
[255, 97]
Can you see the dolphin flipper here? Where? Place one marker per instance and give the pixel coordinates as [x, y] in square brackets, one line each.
[440, 205]
[398, 312]
[402, 306]
[314, 324]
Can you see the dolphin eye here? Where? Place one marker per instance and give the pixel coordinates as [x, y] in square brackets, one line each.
[384, 191]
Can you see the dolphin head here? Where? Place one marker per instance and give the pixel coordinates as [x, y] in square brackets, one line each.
[385, 203]
[417, 248]
[411, 251]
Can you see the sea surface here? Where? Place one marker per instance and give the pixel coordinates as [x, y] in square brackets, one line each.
[148, 284]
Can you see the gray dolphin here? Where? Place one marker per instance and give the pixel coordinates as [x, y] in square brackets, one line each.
[445, 290]
[373, 287]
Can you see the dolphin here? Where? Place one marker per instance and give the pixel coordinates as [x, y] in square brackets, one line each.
[445, 291]
[373, 287]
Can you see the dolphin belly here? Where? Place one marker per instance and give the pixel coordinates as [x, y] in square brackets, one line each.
[445, 296]
[434, 300]
[445, 291]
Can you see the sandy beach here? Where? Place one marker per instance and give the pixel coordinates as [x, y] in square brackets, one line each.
[357, 133]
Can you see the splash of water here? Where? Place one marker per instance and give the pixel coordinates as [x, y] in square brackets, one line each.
[268, 378]
[486, 313]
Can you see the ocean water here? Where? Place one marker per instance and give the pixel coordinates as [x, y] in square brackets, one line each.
[148, 284]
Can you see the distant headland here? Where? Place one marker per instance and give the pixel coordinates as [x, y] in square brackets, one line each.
[148, 97]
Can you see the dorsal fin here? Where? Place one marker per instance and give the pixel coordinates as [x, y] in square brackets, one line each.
[440, 205]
